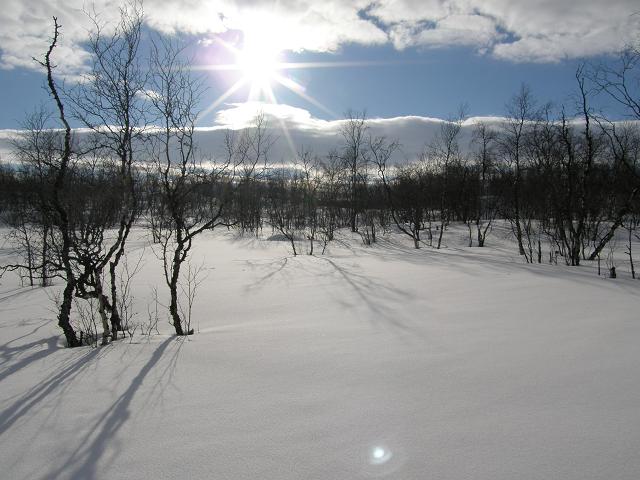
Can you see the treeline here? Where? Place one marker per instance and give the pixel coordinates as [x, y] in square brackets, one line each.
[564, 183]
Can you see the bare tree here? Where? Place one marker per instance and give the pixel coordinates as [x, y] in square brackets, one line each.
[309, 166]
[61, 217]
[404, 189]
[329, 197]
[443, 155]
[285, 200]
[631, 226]
[620, 81]
[183, 181]
[247, 152]
[30, 216]
[521, 111]
[354, 157]
[110, 103]
[484, 139]
[578, 163]
[624, 147]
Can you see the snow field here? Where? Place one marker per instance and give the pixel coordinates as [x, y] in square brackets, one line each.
[368, 362]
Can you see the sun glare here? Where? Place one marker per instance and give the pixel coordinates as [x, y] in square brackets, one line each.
[262, 66]
[258, 64]
[259, 56]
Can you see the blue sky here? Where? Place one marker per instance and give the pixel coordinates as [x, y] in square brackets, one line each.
[409, 57]
[432, 83]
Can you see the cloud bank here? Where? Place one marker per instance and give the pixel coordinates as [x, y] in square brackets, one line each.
[293, 128]
[511, 30]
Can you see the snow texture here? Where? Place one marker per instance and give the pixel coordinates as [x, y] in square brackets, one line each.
[368, 362]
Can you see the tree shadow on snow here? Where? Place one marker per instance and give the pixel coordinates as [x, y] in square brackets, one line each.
[374, 294]
[83, 462]
[485, 261]
[16, 292]
[46, 389]
[279, 267]
[13, 359]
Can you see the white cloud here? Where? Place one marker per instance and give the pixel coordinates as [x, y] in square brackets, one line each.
[297, 25]
[396, 11]
[413, 132]
[524, 30]
[549, 30]
[458, 29]
[27, 27]
[514, 30]
[303, 129]
[241, 115]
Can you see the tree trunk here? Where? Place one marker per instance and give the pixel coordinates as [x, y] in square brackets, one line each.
[102, 310]
[45, 246]
[616, 223]
[630, 253]
[480, 236]
[173, 289]
[116, 321]
[62, 220]
[440, 234]
[64, 316]
[539, 251]
[521, 249]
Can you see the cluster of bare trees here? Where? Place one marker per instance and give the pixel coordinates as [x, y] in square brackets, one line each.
[565, 186]
[72, 200]
[565, 179]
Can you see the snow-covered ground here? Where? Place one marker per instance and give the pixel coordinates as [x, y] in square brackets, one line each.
[368, 362]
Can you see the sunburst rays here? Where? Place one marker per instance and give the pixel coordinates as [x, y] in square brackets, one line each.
[260, 66]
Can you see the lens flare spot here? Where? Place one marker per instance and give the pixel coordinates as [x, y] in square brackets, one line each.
[379, 455]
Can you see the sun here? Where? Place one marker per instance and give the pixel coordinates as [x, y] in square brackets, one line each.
[260, 54]
[258, 64]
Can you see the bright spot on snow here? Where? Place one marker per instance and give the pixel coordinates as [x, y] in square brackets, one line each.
[379, 455]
